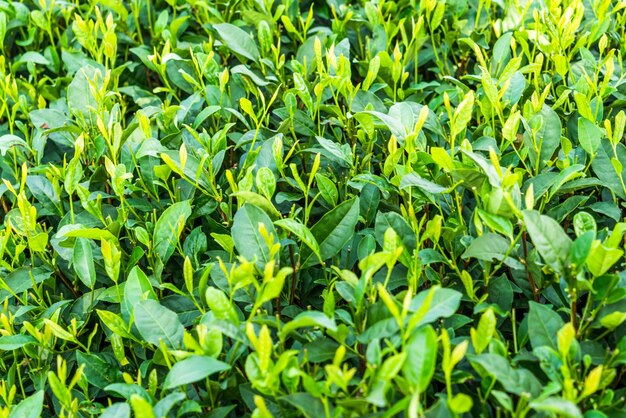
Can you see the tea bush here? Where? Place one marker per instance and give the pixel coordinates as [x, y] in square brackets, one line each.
[283, 208]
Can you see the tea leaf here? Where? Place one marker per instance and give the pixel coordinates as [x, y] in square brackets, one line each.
[157, 323]
[248, 240]
[237, 40]
[193, 369]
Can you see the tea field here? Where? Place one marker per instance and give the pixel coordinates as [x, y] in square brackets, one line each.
[316, 208]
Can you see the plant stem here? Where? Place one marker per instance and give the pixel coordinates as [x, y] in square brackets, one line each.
[573, 309]
[294, 275]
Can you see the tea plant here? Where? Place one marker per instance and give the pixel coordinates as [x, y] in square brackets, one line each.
[286, 208]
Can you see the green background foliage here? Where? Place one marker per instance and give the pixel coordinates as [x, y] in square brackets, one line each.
[283, 208]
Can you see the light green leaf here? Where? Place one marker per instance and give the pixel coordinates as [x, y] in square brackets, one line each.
[137, 288]
[82, 261]
[155, 323]
[9, 141]
[308, 319]
[246, 235]
[221, 306]
[605, 170]
[444, 303]
[613, 320]
[193, 369]
[115, 323]
[13, 342]
[414, 180]
[259, 201]
[141, 407]
[463, 113]
[557, 406]
[169, 227]
[419, 365]
[602, 258]
[547, 138]
[300, 231]
[552, 243]
[589, 135]
[30, 407]
[91, 233]
[487, 247]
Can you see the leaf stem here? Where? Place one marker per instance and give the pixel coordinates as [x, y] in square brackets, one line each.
[294, 275]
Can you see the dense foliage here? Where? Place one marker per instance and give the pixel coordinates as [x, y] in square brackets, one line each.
[282, 208]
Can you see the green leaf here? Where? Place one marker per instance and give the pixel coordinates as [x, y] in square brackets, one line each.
[308, 405]
[302, 232]
[193, 369]
[487, 247]
[604, 168]
[414, 180]
[340, 153]
[141, 407]
[155, 323]
[501, 292]
[547, 138]
[308, 319]
[237, 40]
[513, 380]
[259, 201]
[165, 404]
[80, 97]
[13, 342]
[117, 410]
[557, 406]
[248, 240]
[401, 227]
[613, 320]
[137, 287]
[83, 262]
[444, 303]
[9, 141]
[126, 390]
[552, 243]
[115, 323]
[221, 306]
[30, 407]
[327, 189]
[543, 326]
[333, 231]
[98, 372]
[589, 135]
[602, 258]
[497, 223]
[419, 366]
[482, 336]
[22, 279]
[463, 113]
[169, 227]
[91, 233]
